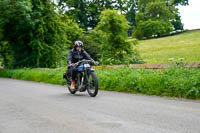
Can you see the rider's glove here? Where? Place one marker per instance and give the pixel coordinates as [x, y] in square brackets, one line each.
[72, 65]
[96, 63]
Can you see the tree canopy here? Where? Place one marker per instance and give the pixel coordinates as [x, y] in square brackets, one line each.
[35, 33]
[157, 18]
[116, 49]
[180, 2]
[87, 12]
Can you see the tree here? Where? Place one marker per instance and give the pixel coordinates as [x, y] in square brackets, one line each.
[14, 21]
[77, 9]
[116, 49]
[152, 28]
[153, 19]
[176, 22]
[93, 41]
[172, 6]
[181, 2]
[35, 33]
[87, 12]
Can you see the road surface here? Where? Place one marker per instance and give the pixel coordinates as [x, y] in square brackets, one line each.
[29, 107]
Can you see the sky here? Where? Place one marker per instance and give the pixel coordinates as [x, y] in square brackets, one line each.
[191, 14]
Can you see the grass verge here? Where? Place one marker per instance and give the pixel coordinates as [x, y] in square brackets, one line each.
[52, 76]
[173, 82]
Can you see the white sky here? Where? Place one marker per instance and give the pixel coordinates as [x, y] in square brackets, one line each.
[191, 14]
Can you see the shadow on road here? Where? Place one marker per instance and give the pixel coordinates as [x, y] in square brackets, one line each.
[78, 95]
[68, 95]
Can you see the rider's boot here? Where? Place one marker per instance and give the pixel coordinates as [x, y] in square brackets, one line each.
[73, 85]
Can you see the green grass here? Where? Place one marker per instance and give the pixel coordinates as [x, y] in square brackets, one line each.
[173, 82]
[52, 76]
[185, 45]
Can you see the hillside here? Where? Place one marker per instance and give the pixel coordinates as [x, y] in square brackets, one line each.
[185, 45]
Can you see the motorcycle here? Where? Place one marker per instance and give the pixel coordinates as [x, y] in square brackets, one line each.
[86, 78]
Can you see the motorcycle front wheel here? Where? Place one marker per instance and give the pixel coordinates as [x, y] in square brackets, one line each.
[93, 84]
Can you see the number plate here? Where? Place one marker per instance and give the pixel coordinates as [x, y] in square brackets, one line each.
[86, 65]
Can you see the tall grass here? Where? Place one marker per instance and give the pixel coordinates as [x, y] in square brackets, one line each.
[52, 76]
[185, 45]
[173, 82]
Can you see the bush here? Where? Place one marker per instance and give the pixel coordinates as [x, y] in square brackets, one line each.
[116, 49]
[93, 41]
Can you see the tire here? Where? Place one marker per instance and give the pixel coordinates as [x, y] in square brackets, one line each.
[69, 86]
[93, 85]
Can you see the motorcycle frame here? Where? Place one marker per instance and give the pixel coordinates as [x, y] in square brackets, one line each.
[82, 76]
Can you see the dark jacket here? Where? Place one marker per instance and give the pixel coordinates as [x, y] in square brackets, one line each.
[75, 56]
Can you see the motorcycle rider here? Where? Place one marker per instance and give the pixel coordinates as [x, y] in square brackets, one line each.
[75, 55]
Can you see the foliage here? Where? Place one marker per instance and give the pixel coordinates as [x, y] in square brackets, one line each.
[184, 45]
[176, 21]
[173, 82]
[93, 41]
[180, 2]
[159, 10]
[116, 49]
[87, 12]
[15, 15]
[36, 34]
[153, 19]
[77, 9]
[177, 24]
[152, 28]
[5, 54]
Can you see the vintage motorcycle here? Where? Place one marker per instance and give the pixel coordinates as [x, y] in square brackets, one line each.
[86, 78]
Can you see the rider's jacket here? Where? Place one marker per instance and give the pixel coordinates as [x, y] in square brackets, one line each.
[75, 56]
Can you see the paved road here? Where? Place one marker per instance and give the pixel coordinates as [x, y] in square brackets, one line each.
[29, 107]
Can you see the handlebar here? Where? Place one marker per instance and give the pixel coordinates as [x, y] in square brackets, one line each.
[85, 61]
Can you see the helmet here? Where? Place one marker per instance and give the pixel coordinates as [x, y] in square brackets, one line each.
[78, 44]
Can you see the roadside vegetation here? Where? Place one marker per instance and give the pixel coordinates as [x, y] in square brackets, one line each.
[184, 45]
[173, 82]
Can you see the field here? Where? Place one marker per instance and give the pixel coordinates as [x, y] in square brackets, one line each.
[184, 45]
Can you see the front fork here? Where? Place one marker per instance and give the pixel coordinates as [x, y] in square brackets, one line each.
[80, 82]
[87, 82]
[83, 80]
